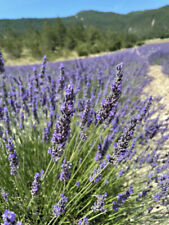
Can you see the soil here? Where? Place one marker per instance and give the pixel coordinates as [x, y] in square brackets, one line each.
[159, 86]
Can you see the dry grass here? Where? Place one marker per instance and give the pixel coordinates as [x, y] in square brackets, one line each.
[156, 41]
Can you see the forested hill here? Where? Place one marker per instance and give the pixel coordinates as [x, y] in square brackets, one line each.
[145, 24]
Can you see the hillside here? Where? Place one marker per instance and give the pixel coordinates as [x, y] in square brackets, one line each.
[146, 24]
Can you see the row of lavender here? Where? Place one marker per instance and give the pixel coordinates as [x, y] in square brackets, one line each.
[76, 142]
[160, 56]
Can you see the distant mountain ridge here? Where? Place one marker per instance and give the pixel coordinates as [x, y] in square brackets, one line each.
[146, 24]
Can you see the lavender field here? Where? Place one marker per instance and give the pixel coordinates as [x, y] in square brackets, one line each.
[83, 141]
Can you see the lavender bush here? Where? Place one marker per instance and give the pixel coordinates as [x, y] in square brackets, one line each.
[78, 144]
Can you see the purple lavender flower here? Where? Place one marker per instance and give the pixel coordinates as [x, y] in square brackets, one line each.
[99, 204]
[150, 209]
[7, 120]
[122, 144]
[59, 207]
[13, 159]
[62, 126]
[5, 195]
[83, 221]
[46, 134]
[77, 183]
[19, 223]
[2, 69]
[34, 109]
[85, 113]
[21, 124]
[61, 84]
[65, 173]
[121, 198]
[9, 218]
[102, 148]
[121, 172]
[36, 184]
[81, 105]
[97, 176]
[87, 117]
[4, 91]
[110, 104]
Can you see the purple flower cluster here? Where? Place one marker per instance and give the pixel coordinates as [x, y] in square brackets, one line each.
[59, 207]
[2, 69]
[13, 159]
[85, 115]
[62, 126]
[86, 118]
[102, 148]
[121, 198]
[9, 218]
[31, 103]
[163, 187]
[5, 195]
[83, 221]
[36, 184]
[65, 172]
[109, 106]
[61, 84]
[6, 119]
[99, 204]
[97, 173]
[121, 147]
[46, 134]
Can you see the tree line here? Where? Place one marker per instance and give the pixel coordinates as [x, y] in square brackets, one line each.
[59, 39]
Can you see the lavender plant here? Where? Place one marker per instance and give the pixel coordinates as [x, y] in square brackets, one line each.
[117, 175]
[2, 69]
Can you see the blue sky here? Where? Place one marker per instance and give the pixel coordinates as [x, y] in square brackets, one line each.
[53, 8]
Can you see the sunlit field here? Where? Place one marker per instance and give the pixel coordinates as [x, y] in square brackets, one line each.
[81, 141]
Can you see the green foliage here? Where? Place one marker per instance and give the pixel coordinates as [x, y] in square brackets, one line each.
[145, 24]
[57, 39]
[12, 43]
[82, 49]
[31, 41]
[140, 43]
[33, 157]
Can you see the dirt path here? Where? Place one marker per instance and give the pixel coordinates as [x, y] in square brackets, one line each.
[159, 86]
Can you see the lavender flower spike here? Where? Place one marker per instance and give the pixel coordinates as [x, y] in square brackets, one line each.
[9, 218]
[83, 221]
[62, 126]
[5, 195]
[85, 113]
[61, 84]
[65, 174]
[126, 137]
[59, 207]
[98, 205]
[110, 104]
[121, 198]
[36, 184]
[2, 69]
[13, 159]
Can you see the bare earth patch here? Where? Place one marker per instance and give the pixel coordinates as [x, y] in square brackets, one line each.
[159, 86]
